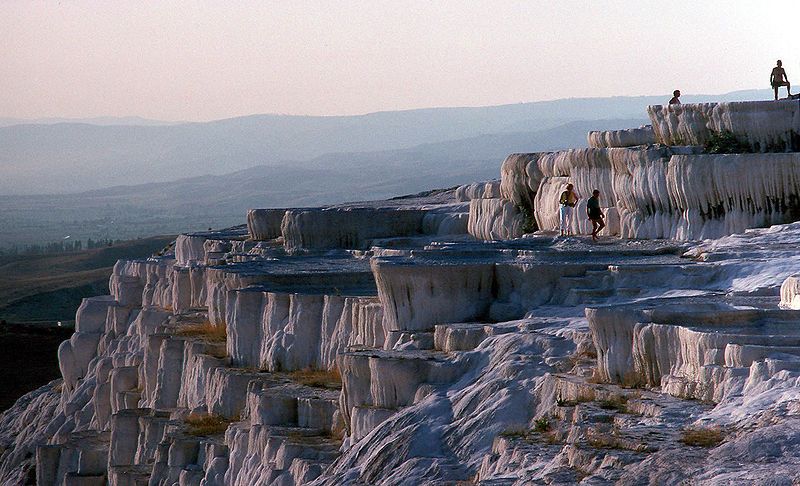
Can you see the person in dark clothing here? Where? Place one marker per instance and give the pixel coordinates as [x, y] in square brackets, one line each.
[595, 214]
[778, 78]
[676, 97]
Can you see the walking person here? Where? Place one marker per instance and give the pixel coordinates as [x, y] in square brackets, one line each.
[568, 200]
[778, 78]
[676, 97]
[595, 214]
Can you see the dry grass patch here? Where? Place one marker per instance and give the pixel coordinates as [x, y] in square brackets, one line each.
[318, 378]
[515, 432]
[613, 439]
[702, 436]
[203, 424]
[205, 331]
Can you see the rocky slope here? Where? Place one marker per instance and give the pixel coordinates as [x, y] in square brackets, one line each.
[425, 340]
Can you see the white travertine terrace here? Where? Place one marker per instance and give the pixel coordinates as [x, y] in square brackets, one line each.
[387, 343]
[763, 126]
[661, 192]
[630, 137]
[516, 184]
[478, 190]
[494, 219]
[347, 227]
[790, 293]
[264, 224]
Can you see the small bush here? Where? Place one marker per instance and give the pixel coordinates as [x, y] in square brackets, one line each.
[529, 221]
[541, 425]
[702, 436]
[205, 331]
[725, 142]
[202, 424]
[318, 378]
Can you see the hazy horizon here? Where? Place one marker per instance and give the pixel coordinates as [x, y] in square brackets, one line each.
[137, 120]
[200, 61]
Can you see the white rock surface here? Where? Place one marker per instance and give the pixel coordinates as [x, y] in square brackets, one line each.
[790, 293]
[630, 137]
[495, 219]
[516, 184]
[765, 126]
[478, 190]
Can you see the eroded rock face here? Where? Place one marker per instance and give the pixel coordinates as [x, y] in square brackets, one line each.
[764, 126]
[622, 138]
[516, 183]
[264, 224]
[670, 190]
[495, 219]
[346, 228]
[478, 190]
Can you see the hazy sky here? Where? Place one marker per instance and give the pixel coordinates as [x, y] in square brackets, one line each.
[177, 60]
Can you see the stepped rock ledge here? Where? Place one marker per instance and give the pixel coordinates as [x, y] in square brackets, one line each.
[450, 338]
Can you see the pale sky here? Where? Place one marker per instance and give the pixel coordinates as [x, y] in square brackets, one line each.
[202, 60]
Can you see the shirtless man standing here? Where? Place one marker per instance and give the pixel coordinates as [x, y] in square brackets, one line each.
[778, 78]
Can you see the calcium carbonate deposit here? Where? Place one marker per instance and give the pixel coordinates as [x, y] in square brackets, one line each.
[437, 339]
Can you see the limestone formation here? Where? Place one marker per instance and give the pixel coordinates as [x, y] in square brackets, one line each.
[422, 340]
[762, 126]
[622, 138]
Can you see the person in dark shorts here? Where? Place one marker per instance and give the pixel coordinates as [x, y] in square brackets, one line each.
[676, 97]
[595, 214]
[778, 78]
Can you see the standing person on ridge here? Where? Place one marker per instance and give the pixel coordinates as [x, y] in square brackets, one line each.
[778, 78]
[595, 214]
[568, 200]
[676, 97]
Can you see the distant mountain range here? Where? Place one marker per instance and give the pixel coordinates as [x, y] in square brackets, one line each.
[200, 202]
[124, 181]
[72, 157]
[99, 120]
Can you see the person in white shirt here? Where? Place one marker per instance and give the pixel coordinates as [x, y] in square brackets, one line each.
[568, 200]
